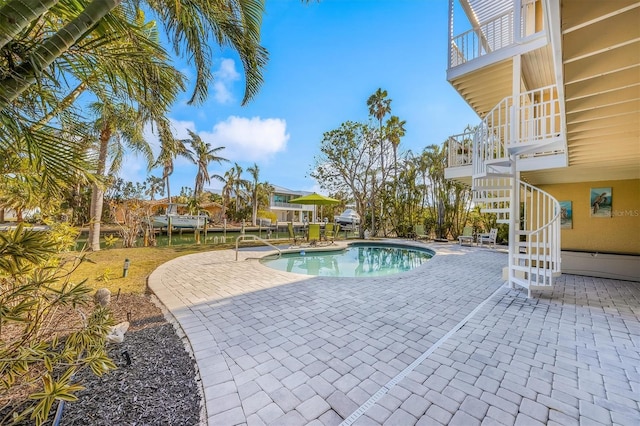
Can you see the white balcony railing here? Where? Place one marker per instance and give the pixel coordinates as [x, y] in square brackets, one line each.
[489, 37]
[460, 149]
[490, 27]
[527, 126]
[539, 116]
[284, 205]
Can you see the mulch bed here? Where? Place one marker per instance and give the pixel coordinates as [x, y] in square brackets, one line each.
[155, 380]
[154, 383]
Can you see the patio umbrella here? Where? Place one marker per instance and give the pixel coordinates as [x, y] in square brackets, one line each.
[315, 199]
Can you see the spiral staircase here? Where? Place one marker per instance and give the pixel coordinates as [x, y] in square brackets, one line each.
[518, 133]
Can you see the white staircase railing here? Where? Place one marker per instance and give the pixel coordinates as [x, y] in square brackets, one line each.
[509, 130]
[494, 194]
[536, 253]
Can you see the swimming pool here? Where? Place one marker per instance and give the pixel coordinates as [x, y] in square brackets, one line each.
[357, 260]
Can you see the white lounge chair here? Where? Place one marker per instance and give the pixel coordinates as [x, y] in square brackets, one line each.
[489, 238]
[467, 235]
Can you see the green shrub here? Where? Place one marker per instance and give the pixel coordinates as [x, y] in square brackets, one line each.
[47, 329]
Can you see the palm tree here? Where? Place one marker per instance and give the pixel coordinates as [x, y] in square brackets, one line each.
[170, 149]
[255, 188]
[190, 25]
[203, 154]
[227, 189]
[237, 183]
[155, 186]
[379, 106]
[394, 132]
[63, 41]
[115, 124]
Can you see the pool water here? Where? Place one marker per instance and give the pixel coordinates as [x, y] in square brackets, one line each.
[358, 260]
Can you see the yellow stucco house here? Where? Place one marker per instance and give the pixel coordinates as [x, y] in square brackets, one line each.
[556, 153]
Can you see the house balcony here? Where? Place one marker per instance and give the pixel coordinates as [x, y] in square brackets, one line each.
[529, 126]
[485, 32]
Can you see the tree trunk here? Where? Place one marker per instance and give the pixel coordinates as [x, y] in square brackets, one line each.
[97, 193]
[97, 201]
[254, 213]
[17, 15]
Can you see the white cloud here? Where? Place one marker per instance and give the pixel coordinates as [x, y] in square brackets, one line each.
[249, 139]
[224, 78]
[245, 140]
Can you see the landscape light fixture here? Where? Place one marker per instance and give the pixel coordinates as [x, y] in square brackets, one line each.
[125, 268]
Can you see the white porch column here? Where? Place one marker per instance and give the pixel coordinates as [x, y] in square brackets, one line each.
[514, 219]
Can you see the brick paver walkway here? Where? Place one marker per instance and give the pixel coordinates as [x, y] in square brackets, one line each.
[446, 343]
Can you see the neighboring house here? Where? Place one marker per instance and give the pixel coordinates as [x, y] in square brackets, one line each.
[556, 154]
[287, 212]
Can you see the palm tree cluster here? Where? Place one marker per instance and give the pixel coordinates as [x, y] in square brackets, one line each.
[357, 159]
[246, 195]
[79, 80]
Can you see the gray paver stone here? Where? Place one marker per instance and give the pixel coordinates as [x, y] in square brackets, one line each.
[268, 382]
[284, 398]
[390, 402]
[365, 420]
[346, 383]
[292, 418]
[460, 418]
[304, 392]
[400, 417]
[442, 401]
[342, 404]
[524, 420]
[415, 405]
[438, 414]
[235, 416]
[436, 383]
[271, 412]
[562, 418]
[223, 403]
[474, 407]
[295, 380]
[255, 402]
[330, 418]
[534, 409]
[378, 413]
[500, 416]
[312, 408]
[594, 412]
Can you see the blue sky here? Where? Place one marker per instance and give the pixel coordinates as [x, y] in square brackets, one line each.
[326, 59]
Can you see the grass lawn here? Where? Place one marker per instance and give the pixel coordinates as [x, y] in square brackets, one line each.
[105, 268]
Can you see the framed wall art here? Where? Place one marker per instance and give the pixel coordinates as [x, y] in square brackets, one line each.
[566, 215]
[600, 202]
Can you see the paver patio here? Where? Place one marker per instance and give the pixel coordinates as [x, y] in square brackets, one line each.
[446, 343]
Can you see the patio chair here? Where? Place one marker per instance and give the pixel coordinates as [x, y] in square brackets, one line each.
[489, 238]
[418, 232]
[467, 235]
[314, 233]
[292, 233]
[330, 232]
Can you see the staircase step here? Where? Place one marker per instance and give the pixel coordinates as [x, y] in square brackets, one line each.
[552, 143]
[525, 244]
[490, 210]
[492, 188]
[539, 271]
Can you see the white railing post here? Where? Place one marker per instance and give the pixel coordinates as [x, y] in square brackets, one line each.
[514, 221]
[517, 20]
[450, 58]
